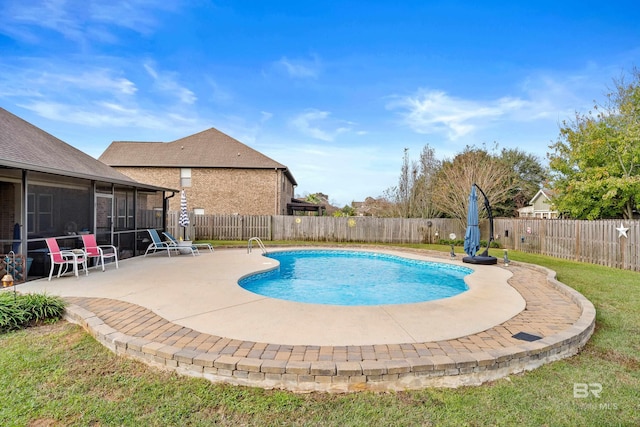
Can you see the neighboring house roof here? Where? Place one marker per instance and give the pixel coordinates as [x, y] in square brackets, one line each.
[547, 194]
[25, 146]
[207, 149]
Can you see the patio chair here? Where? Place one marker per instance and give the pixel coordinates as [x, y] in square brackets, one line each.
[65, 258]
[181, 246]
[195, 245]
[93, 250]
[157, 244]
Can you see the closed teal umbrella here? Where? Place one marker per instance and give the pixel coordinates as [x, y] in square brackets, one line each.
[472, 235]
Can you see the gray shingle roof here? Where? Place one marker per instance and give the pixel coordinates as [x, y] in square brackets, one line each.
[25, 146]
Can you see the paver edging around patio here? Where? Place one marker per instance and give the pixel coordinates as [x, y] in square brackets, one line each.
[449, 370]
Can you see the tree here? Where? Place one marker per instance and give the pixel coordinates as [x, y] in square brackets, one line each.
[378, 207]
[316, 198]
[453, 181]
[596, 160]
[428, 167]
[345, 211]
[529, 176]
[411, 198]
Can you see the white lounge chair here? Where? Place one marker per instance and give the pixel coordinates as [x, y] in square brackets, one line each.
[196, 246]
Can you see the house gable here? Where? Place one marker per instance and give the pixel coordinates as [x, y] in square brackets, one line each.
[540, 206]
[221, 174]
[541, 201]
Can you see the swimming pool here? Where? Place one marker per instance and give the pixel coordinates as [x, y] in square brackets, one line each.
[356, 278]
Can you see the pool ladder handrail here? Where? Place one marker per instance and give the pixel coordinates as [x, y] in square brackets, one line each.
[250, 245]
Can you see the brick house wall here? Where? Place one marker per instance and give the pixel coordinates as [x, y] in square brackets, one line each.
[222, 191]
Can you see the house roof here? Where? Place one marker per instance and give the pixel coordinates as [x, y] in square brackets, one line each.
[542, 192]
[207, 149]
[25, 146]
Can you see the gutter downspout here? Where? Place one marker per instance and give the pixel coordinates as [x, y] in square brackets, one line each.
[165, 205]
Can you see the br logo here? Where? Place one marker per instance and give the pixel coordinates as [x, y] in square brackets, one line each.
[583, 390]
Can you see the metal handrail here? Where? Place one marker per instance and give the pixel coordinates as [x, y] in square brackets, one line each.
[250, 245]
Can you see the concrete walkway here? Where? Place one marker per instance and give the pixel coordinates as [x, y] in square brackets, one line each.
[188, 313]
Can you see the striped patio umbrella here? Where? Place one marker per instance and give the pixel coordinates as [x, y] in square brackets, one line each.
[184, 216]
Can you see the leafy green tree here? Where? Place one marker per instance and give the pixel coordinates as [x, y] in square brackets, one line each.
[529, 175]
[315, 198]
[345, 211]
[596, 160]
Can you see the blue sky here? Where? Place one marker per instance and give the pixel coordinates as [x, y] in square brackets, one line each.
[335, 90]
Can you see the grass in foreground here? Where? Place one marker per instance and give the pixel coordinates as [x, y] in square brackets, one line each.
[58, 375]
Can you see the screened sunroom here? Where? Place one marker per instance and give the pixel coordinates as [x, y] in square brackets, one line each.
[50, 189]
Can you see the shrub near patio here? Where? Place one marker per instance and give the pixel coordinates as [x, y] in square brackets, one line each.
[19, 311]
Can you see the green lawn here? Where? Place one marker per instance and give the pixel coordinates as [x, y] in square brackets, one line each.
[58, 375]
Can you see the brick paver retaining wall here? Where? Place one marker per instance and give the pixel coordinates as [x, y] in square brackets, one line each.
[562, 318]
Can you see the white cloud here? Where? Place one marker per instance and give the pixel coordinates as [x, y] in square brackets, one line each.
[437, 112]
[300, 68]
[265, 116]
[320, 125]
[108, 114]
[305, 123]
[136, 15]
[80, 20]
[166, 82]
[557, 97]
[37, 80]
[99, 80]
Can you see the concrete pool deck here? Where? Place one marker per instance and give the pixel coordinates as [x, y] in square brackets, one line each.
[189, 314]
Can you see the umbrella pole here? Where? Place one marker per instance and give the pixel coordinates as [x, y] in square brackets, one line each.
[487, 206]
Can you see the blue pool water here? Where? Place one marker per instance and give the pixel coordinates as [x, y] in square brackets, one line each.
[356, 278]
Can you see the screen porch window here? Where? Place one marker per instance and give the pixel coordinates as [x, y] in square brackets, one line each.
[39, 212]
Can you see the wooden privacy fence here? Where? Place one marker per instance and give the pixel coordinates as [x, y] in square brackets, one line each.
[221, 227]
[364, 229]
[315, 228]
[595, 242]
